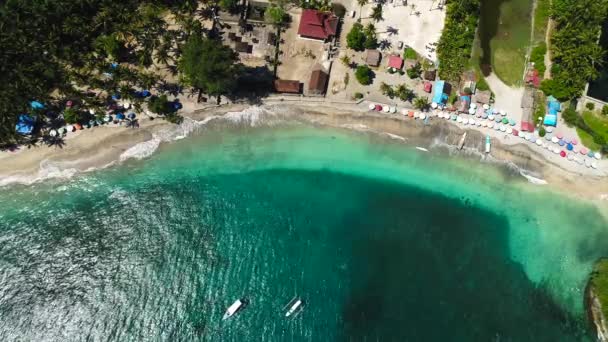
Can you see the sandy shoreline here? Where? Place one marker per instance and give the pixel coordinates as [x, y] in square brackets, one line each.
[102, 146]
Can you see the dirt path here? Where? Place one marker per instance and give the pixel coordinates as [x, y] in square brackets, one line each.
[506, 98]
[548, 62]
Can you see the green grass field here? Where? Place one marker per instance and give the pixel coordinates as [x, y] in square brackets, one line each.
[598, 123]
[541, 18]
[504, 36]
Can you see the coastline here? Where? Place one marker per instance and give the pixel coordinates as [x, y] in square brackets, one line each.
[104, 146]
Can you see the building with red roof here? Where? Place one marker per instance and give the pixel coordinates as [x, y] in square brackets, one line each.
[317, 25]
[395, 62]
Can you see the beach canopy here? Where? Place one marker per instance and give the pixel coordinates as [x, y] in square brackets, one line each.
[574, 142]
[584, 151]
[25, 124]
[440, 96]
[550, 120]
[131, 115]
[559, 135]
[569, 147]
[120, 116]
[372, 106]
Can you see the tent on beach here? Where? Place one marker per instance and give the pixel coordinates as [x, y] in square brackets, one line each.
[25, 124]
[440, 96]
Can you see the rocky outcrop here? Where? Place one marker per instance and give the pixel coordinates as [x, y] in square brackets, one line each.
[596, 304]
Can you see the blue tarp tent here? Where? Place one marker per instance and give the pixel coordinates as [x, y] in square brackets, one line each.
[36, 105]
[553, 105]
[25, 124]
[440, 97]
[550, 120]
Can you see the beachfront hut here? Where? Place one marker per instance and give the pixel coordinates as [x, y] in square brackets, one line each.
[372, 57]
[482, 96]
[441, 92]
[25, 124]
[527, 126]
[465, 103]
[427, 87]
[395, 62]
[287, 86]
[430, 75]
[318, 82]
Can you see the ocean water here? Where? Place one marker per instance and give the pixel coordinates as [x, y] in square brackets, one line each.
[381, 241]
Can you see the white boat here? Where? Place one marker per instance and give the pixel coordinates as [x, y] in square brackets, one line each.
[487, 144]
[421, 149]
[232, 309]
[461, 142]
[293, 307]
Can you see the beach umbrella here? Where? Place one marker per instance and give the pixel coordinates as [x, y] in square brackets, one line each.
[131, 115]
[484, 116]
[458, 119]
[490, 124]
[561, 143]
[590, 154]
[404, 112]
[503, 113]
[570, 156]
[503, 128]
[505, 120]
[556, 150]
[512, 122]
[120, 116]
[538, 142]
[484, 124]
[77, 126]
[473, 105]
[472, 111]
[574, 142]
[549, 129]
[555, 140]
[494, 111]
[509, 130]
[69, 128]
[485, 106]
[515, 132]
[434, 105]
[454, 117]
[385, 109]
[377, 108]
[422, 116]
[559, 135]
[569, 147]
[594, 165]
[498, 119]
[53, 133]
[566, 140]
[587, 163]
[107, 118]
[583, 151]
[597, 155]
[393, 109]
[371, 106]
[491, 117]
[471, 122]
[548, 137]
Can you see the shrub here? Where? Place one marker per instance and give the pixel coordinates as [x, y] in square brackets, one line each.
[71, 115]
[364, 74]
[414, 72]
[467, 91]
[358, 96]
[605, 110]
[600, 140]
[452, 99]
[338, 9]
[542, 132]
[410, 53]
[558, 89]
[482, 84]
[570, 116]
[590, 105]
[159, 105]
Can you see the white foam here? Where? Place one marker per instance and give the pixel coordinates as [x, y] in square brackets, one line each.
[532, 179]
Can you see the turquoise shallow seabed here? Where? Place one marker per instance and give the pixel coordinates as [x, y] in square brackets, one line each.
[381, 241]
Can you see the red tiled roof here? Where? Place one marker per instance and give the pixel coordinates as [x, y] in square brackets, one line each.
[317, 25]
[395, 62]
[287, 86]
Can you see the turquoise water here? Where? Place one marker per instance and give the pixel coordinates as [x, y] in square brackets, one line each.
[381, 241]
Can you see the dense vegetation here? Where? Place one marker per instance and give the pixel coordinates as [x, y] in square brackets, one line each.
[455, 44]
[594, 128]
[360, 38]
[574, 49]
[537, 56]
[364, 74]
[88, 50]
[598, 281]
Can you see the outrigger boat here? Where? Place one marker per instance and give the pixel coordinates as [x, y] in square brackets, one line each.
[461, 142]
[487, 144]
[232, 309]
[293, 305]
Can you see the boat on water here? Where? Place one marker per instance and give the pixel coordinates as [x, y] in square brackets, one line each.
[293, 305]
[487, 144]
[461, 142]
[233, 309]
[421, 149]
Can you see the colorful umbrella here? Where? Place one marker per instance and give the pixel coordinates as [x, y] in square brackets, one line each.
[569, 147]
[574, 141]
[562, 153]
[559, 135]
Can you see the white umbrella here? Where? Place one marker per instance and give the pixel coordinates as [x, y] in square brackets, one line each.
[503, 113]
[459, 119]
[385, 109]
[556, 150]
[393, 110]
[53, 133]
[554, 140]
[434, 105]
[371, 106]
[471, 122]
[594, 165]
[404, 112]
[570, 156]
[485, 106]
[549, 129]
[92, 111]
[465, 121]
[491, 117]
[503, 128]
[70, 128]
[473, 105]
[597, 155]
[490, 124]
[471, 110]
[587, 163]
[484, 124]
[509, 130]
[497, 127]
[422, 116]
[539, 142]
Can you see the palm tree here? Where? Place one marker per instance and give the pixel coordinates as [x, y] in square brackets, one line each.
[361, 3]
[421, 103]
[346, 61]
[386, 89]
[404, 93]
[377, 13]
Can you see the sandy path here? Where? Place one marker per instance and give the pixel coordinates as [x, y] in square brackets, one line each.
[506, 98]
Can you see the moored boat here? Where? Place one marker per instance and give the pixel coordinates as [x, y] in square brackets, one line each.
[487, 144]
[294, 305]
[232, 309]
[461, 142]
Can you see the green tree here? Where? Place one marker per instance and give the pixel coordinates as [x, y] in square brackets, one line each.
[414, 72]
[355, 39]
[371, 39]
[404, 93]
[364, 74]
[605, 110]
[209, 66]
[159, 105]
[228, 5]
[387, 90]
[275, 14]
[346, 61]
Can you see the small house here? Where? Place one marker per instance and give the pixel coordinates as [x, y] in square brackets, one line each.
[287, 86]
[372, 57]
[318, 82]
[318, 25]
[395, 62]
[430, 75]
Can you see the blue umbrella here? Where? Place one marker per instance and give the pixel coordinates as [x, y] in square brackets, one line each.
[131, 115]
[177, 105]
[569, 147]
[120, 116]
[498, 119]
[590, 154]
[114, 65]
[36, 105]
[146, 93]
[116, 96]
[512, 122]
[561, 143]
